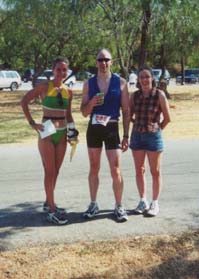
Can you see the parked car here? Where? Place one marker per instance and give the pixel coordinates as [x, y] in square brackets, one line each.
[190, 76]
[28, 75]
[48, 75]
[82, 75]
[157, 74]
[9, 79]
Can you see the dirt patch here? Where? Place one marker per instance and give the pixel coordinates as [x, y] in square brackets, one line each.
[135, 258]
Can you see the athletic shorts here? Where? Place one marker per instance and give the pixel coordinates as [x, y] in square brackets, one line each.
[109, 134]
[55, 138]
[146, 141]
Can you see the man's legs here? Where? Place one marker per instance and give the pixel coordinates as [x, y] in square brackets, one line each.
[115, 168]
[93, 178]
[113, 156]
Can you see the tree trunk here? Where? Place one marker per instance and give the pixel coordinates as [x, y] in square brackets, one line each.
[144, 34]
[182, 69]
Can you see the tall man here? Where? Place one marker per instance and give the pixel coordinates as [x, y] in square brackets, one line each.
[103, 96]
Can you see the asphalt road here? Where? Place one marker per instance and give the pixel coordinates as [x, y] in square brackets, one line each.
[21, 190]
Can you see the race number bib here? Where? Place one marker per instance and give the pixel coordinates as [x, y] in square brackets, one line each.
[100, 119]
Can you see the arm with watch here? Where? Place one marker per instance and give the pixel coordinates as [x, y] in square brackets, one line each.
[32, 94]
[72, 132]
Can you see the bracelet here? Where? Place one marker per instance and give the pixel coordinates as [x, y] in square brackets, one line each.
[32, 122]
[125, 136]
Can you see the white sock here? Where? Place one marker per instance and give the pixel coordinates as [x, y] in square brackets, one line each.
[155, 201]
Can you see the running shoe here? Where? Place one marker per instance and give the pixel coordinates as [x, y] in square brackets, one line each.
[153, 210]
[120, 213]
[46, 208]
[57, 218]
[142, 207]
[92, 210]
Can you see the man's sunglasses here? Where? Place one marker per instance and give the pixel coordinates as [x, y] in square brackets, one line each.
[103, 59]
[60, 99]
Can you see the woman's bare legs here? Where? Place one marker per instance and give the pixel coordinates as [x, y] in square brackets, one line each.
[114, 163]
[155, 164]
[52, 158]
[139, 161]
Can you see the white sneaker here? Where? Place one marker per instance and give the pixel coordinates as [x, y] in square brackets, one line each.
[153, 209]
[120, 213]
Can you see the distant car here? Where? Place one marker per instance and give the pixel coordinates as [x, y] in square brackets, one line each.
[9, 79]
[190, 76]
[82, 75]
[157, 74]
[28, 75]
[48, 75]
[132, 78]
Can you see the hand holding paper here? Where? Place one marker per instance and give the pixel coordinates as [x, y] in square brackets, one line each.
[49, 129]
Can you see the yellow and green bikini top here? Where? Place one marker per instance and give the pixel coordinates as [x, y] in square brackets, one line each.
[54, 102]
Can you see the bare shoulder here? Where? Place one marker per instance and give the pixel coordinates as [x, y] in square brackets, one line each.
[161, 94]
[123, 81]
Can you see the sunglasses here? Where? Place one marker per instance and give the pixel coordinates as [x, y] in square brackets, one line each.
[60, 99]
[103, 59]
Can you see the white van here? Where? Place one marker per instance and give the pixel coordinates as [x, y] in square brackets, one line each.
[157, 74]
[9, 79]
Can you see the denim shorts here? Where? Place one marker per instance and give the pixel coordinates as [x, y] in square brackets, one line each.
[146, 141]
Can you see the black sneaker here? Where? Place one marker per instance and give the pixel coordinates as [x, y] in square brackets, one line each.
[57, 218]
[46, 208]
[120, 213]
[92, 210]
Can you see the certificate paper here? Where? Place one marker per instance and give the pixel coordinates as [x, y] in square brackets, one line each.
[49, 129]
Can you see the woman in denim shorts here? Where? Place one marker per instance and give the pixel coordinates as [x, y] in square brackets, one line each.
[150, 115]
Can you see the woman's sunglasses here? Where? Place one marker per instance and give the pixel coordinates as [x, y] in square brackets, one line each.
[60, 98]
[103, 59]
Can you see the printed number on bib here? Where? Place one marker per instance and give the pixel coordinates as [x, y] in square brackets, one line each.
[100, 119]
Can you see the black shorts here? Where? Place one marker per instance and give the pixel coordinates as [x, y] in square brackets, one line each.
[109, 134]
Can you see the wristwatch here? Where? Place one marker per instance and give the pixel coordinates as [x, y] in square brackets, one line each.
[32, 122]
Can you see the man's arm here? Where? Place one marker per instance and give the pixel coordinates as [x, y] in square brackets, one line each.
[125, 113]
[86, 104]
[125, 107]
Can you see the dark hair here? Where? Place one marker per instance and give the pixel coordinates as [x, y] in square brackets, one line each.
[60, 60]
[147, 68]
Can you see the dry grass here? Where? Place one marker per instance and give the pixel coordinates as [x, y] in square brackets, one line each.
[144, 257]
[148, 257]
[184, 113]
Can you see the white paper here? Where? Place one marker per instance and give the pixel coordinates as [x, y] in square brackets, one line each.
[100, 119]
[49, 129]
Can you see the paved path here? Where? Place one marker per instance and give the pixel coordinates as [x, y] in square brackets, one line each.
[21, 191]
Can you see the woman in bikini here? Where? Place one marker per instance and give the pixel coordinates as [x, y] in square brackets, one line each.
[56, 101]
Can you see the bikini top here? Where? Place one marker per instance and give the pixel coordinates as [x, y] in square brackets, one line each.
[55, 101]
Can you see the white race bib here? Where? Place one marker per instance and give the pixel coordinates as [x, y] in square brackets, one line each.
[100, 119]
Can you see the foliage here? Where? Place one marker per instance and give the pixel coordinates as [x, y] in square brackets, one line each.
[34, 32]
